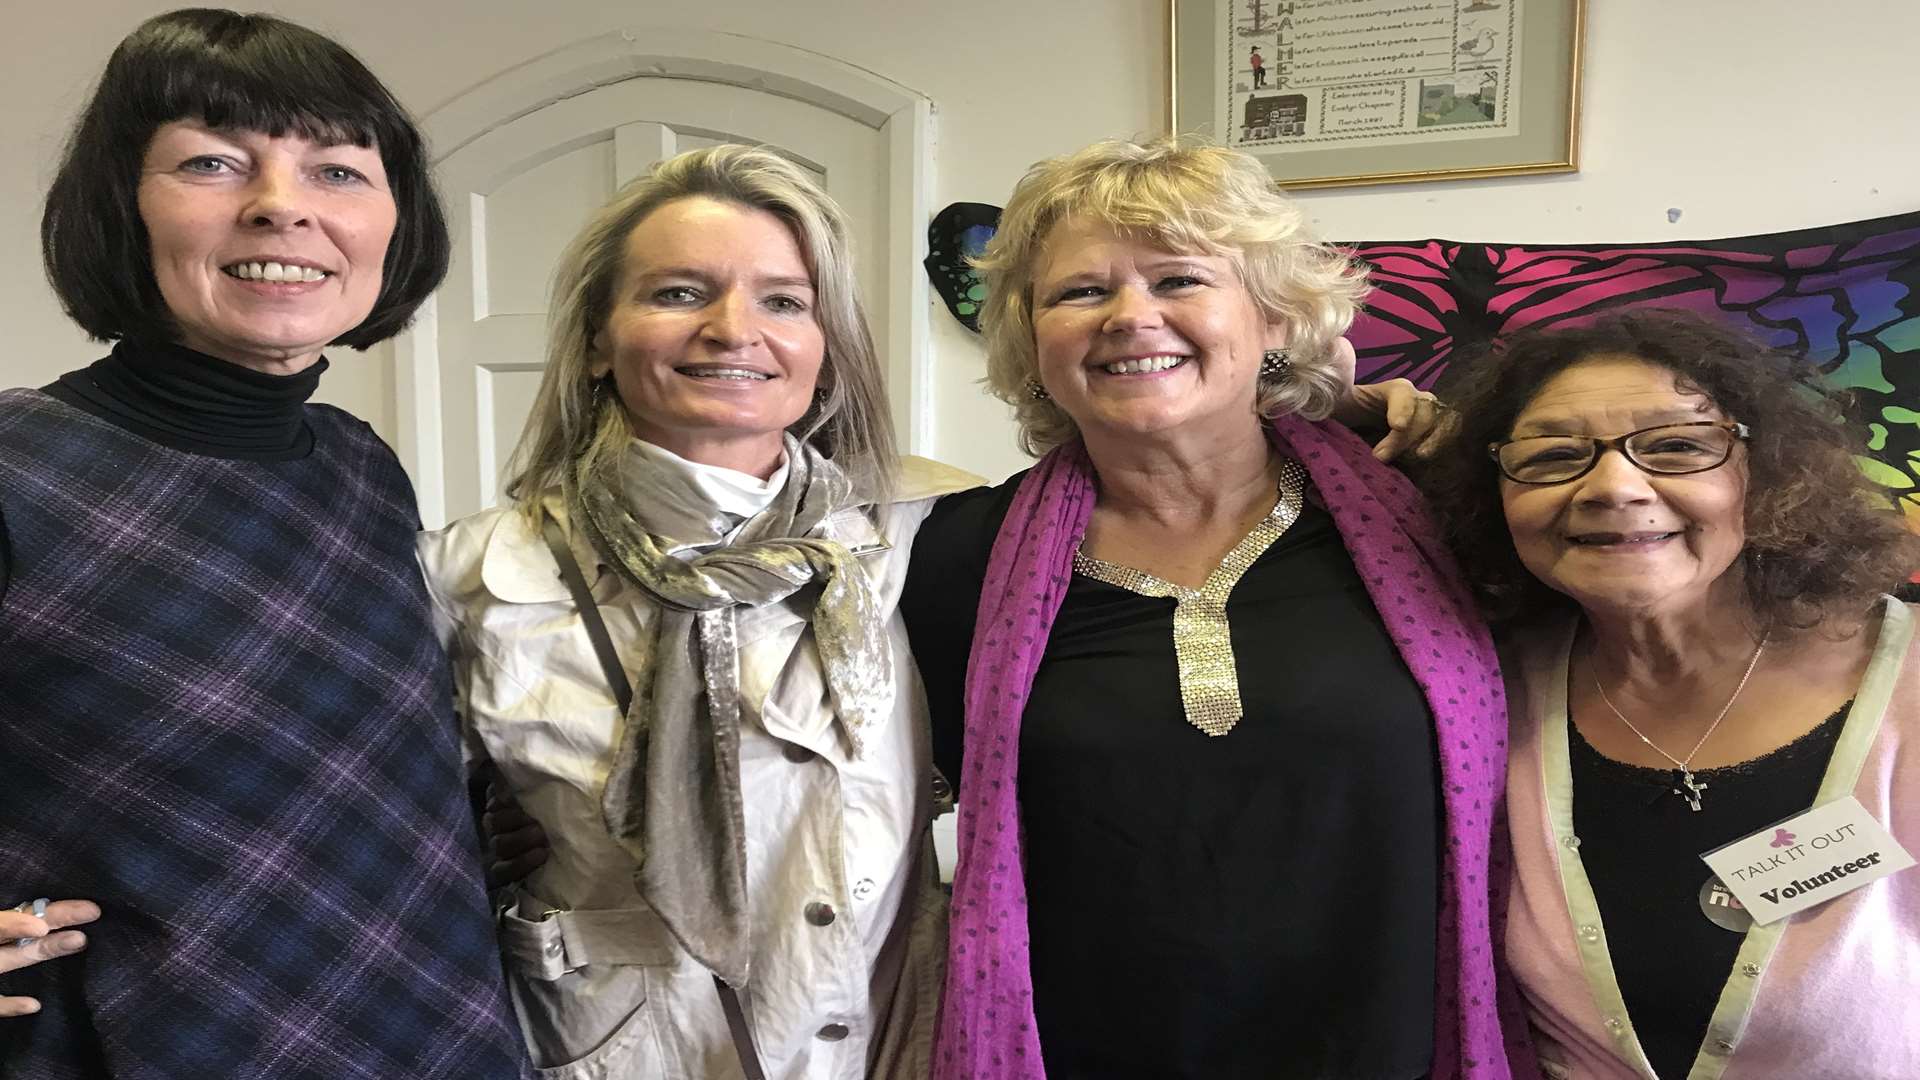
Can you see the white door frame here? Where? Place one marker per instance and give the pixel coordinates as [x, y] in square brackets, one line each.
[904, 116]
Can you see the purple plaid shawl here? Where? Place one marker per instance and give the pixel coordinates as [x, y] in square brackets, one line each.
[986, 1026]
[227, 719]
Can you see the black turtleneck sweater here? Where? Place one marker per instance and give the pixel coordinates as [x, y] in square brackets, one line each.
[187, 400]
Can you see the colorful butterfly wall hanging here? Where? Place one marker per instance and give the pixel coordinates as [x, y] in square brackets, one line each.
[957, 234]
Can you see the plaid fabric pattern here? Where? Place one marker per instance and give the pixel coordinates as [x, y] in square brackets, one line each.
[226, 719]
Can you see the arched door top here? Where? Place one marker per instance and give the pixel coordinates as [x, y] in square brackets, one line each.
[901, 119]
[672, 53]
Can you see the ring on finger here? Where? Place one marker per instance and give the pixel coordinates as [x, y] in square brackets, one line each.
[38, 909]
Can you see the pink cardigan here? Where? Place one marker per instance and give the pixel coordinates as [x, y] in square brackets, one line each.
[1833, 991]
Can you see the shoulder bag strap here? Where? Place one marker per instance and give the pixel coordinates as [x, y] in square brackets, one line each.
[730, 1003]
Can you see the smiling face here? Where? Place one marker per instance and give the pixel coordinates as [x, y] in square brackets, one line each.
[1134, 341]
[265, 248]
[1619, 539]
[713, 340]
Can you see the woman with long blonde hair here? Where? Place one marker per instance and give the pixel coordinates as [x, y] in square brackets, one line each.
[681, 652]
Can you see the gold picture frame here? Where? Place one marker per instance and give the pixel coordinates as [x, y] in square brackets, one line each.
[1525, 124]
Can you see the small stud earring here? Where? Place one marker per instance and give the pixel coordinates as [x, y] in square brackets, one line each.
[1036, 391]
[1275, 364]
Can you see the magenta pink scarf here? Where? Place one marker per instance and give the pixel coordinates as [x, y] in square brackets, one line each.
[986, 1023]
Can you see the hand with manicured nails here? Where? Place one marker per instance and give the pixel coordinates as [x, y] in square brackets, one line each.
[49, 939]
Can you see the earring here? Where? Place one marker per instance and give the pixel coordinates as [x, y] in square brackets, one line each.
[1275, 365]
[1036, 391]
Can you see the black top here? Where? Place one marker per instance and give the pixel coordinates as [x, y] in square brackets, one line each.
[1261, 904]
[1641, 846]
[187, 400]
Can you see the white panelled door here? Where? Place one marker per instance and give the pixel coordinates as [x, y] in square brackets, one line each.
[517, 194]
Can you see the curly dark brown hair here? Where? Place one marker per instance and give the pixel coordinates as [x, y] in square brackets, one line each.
[1822, 539]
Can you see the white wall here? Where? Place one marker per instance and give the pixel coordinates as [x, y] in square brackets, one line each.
[1746, 115]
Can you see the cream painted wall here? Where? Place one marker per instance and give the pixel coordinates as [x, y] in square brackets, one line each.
[1680, 112]
[1001, 102]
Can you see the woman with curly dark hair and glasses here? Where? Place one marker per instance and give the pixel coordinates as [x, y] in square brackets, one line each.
[224, 707]
[1665, 522]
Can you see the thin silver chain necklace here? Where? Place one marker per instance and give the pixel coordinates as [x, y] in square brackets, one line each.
[1689, 788]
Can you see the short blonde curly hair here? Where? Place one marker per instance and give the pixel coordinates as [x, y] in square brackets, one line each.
[1185, 195]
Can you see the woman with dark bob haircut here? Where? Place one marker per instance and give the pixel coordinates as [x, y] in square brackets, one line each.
[225, 711]
[1666, 522]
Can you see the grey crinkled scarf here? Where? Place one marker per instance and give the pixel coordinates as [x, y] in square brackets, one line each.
[673, 797]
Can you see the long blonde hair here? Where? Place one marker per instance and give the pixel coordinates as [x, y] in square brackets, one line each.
[848, 421]
[1184, 195]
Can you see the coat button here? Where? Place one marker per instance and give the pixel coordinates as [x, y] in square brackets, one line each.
[831, 1033]
[941, 789]
[819, 914]
[554, 948]
[797, 754]
[1724, 1046]
[1589, 933]
[1750, 969]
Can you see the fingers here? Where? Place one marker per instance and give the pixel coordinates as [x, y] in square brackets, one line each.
[48, 940]
[515, 855]
[1412, 416]
[1389, 448]
[51, 947]
[64, 913]
[504, 817]
[519, 842]
[46, 936]
[502, 872]
[1443, 429]
[59, 915]
[516, 844]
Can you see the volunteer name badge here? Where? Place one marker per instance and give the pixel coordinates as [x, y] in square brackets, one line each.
[1826, 852]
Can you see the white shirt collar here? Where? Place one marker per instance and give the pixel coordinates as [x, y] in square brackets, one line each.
[650, 472]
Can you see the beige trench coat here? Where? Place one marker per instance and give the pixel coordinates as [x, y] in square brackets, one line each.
[848, 919]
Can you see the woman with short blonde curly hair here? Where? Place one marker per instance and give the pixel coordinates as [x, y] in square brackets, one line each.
[1211, 645]
[1183, 196]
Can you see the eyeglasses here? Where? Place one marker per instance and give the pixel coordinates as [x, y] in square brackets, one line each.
[1666, 450]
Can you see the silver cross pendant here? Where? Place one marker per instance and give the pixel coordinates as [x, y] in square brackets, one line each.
[1691, 791]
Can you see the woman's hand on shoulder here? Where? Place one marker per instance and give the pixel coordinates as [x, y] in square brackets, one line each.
[1414, 418]
[26, 939]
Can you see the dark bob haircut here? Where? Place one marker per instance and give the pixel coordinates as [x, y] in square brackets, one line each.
[240, 72]
[1822, 539]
